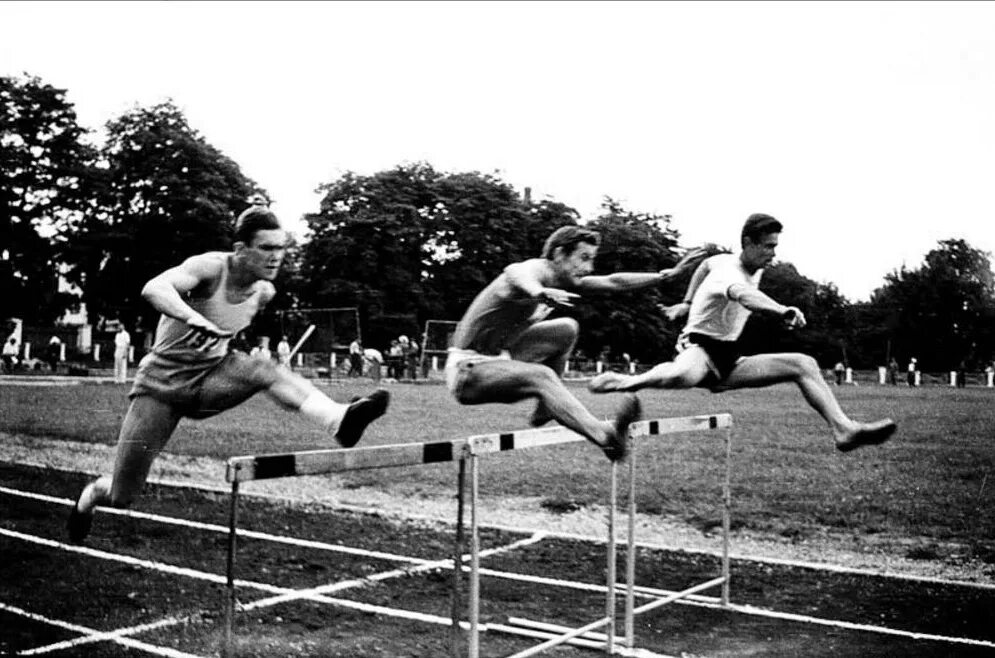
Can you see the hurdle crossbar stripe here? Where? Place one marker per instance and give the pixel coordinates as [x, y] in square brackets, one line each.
[316, 462]
[532, 438]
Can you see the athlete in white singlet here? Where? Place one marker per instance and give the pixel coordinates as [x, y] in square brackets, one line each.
[722, 294]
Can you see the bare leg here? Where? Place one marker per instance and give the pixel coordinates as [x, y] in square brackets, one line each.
[550, 342]
[688, 369]
[507, 381]
[768, 369]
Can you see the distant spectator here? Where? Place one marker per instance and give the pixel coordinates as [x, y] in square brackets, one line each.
[283, 352]
[10, 354]
[122, 348]
[962, 375]
[262, 350]
[911, 372]
[374, 362]
[355, 358]
[893, 372]
[395, 360]
[409, 352]
[840, 370]
[54, 354]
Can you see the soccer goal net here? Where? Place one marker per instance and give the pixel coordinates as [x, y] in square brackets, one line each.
[435, 342]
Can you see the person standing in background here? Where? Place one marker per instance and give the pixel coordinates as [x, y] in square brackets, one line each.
[122, 350]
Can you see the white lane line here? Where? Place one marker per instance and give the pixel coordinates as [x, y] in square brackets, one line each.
[815, 566]
[302, 594]
[92, 635]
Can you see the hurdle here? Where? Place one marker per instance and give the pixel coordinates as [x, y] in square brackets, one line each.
[500, 442]
[468, 451]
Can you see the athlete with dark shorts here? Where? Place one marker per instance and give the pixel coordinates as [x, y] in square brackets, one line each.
[722, 294]
[191, 373]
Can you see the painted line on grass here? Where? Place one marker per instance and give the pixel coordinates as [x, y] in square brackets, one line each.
[92, 635]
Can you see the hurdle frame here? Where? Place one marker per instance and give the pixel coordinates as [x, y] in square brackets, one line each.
[500, 442]
[315, 462]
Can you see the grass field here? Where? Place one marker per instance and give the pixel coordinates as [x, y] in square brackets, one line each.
[929, 485]
[926, 490]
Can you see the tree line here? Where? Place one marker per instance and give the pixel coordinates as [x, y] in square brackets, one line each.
[108, 211]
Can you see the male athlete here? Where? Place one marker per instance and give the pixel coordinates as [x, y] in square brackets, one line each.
[205, 301]
[722, 294]
[504, 350]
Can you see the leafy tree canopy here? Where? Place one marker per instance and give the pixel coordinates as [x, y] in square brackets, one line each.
[44, 167]
[165, 194]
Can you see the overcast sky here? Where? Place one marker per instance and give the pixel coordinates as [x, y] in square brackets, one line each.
[867, 128]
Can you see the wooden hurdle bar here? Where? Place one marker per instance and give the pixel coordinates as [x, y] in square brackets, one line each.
[259, 467]
[499, 442]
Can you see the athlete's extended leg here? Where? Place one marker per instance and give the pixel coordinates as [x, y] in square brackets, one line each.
[240, 377]
[688, 369]
[803, 370]
[507, 381]
[147, 427]
[550, 342]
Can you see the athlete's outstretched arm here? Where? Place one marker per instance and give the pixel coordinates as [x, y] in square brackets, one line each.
[760, 302]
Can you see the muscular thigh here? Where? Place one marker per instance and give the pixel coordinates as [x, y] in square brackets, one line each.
[236, 378]
[763, 370]
[545, 340]
[498, 380]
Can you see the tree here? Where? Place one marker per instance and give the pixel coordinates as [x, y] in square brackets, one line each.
[414, 241]
[827, 337]
[44, 170]
[165, 194]
[631, 322]
[942, 312]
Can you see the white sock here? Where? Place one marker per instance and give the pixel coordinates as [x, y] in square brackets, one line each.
[323, 410]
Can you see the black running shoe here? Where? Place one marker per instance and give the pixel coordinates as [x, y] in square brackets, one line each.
[629, 412]
[361, 413]
[78, 525]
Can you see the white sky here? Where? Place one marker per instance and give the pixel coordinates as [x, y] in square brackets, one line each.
[867, 128]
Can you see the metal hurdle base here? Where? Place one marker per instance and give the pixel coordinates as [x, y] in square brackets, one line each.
[248, 468]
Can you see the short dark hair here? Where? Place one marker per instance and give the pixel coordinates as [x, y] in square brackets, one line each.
[252, 220]
[569, 237]
[758, 225]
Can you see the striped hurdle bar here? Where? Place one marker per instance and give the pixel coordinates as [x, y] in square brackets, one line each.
[505, 441]
[318, 462]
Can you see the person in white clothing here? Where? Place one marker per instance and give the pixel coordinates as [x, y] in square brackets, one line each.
[122, 348]
[720, 297]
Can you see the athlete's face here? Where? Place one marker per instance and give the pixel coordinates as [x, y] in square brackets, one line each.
[758, 254]
[264, 255]
[578, 264]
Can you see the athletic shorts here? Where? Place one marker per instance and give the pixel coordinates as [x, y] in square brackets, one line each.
[723, 355]
[181, 384]
[459, 367]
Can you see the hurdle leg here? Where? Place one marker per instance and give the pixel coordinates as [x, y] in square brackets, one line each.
[726, 505]
[454, 630]
[630, 555]
[230, 582]
[474, 643]
[610, 600]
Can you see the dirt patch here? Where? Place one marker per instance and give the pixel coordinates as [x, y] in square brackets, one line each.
[910, 556]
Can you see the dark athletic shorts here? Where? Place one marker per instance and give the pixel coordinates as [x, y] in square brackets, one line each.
[723, 355]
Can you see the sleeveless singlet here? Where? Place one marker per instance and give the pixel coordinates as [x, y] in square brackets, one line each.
[177, 341]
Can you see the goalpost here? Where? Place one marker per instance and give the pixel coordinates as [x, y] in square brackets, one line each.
[436, 339]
